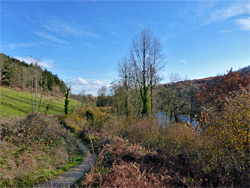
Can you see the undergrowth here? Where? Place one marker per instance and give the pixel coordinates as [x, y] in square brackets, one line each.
[35, 149]
[135, 152]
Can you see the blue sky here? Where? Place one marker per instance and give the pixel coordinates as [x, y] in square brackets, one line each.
[81, 41]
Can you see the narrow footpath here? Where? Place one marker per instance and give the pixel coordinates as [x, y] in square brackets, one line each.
[71, 176]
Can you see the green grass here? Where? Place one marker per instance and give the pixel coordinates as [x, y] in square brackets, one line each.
[18, 103]
[47, 175]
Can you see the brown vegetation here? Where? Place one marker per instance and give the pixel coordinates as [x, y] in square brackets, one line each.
[139, 153]
[31, 148]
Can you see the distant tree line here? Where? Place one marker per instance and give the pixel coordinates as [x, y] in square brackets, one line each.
[18, 74]
[176, 98]
[85, 99]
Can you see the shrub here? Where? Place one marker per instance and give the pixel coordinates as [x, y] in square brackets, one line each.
[122, 165]
[227, 136]
[32, 148]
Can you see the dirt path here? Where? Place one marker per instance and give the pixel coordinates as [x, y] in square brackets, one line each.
[71, 176]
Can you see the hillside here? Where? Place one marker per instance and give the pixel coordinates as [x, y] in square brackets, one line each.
[18, 74]
[18, 103]
[245, 71]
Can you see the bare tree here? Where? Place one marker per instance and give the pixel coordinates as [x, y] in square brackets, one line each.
[125, 73]
[41, 91]
[82, 97]
[35, 76]
[102, 91]
[147, 60]
[174, 98]
[157, 64]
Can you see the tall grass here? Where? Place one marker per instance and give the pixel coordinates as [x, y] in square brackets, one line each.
[33, 149]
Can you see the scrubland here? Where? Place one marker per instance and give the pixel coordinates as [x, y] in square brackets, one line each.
[34, 149]
[140, 153]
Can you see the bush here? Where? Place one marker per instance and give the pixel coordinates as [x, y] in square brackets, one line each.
[215, 153]
[227, 135]
[122, 165]
[32, 148]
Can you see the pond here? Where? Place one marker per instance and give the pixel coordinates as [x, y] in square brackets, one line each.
[164, 119]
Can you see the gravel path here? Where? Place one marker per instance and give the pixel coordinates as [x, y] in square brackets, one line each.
[71, 176]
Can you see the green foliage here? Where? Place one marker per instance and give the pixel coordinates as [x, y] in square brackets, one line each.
[145, 100]
[7, 73]
[66, 104]
[227, 135]
[178, 98]
[19, 103]
[90, 117]
[48, 106]
[103, 101]
[15, 73]
[212, 156]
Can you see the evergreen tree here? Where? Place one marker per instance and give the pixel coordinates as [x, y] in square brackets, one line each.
[66, 105]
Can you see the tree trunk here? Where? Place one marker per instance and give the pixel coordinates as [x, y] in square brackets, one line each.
[32, 96]
[36, 96]
[151, 90]
[41, 90]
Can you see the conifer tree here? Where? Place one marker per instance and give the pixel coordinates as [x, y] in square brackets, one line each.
[66, 105]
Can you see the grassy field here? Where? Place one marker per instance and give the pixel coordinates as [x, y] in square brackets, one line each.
[18, 103]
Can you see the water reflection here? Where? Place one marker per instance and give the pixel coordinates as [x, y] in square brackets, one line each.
[164, 119]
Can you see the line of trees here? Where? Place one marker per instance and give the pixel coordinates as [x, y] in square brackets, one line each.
[138, 76]
[178, 98]
[85, 99]
[18, 74]
[138, 92]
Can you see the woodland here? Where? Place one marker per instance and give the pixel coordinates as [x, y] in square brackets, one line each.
[203, 140]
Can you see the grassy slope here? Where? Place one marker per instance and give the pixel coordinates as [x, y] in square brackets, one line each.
[33, 149]
[19, 103]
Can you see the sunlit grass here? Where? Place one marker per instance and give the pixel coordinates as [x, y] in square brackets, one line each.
[18, 103]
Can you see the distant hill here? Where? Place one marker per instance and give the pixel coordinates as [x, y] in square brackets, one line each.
[18, 74]
[245, 71]
[242, 72]
[189, 96]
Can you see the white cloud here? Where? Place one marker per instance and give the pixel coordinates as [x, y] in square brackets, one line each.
[13, 46]
[96, 82]
[225, 31]
[29, 60]
[81, 81]
[231, 11]
[76, 89]
[51, 37]
[244, 23]
[183, 61]
[62, 27]
[90, 87]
